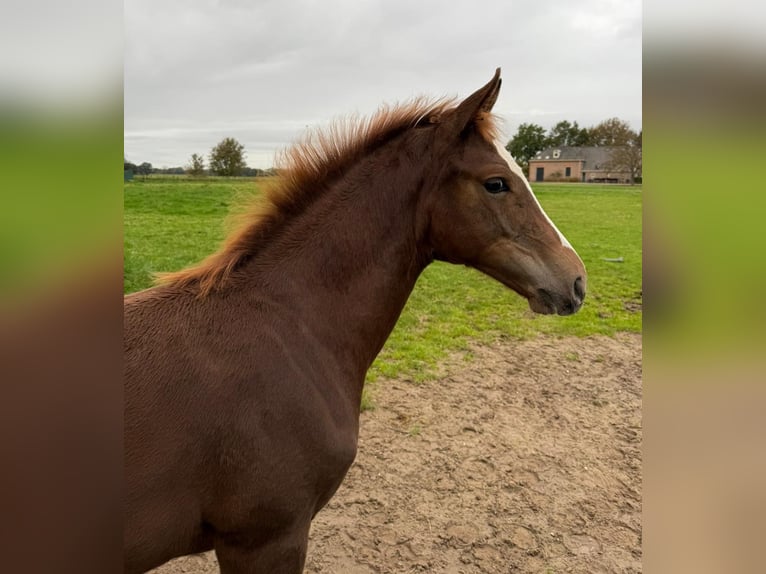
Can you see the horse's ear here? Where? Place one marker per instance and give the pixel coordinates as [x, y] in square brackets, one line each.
[478, 104]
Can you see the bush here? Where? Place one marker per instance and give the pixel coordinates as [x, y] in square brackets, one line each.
[555, 176]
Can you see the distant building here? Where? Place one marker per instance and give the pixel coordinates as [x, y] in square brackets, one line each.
[590, 164]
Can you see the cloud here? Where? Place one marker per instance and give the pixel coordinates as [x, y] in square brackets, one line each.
[263, 71]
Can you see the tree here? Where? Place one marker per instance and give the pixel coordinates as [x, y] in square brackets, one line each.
[611, 132]
[144, 169]
[197, 166]
[227, 158]
[566, 134]
[628, 158]
[529, 139]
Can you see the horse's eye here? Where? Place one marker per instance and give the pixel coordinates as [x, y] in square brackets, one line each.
[496, 185]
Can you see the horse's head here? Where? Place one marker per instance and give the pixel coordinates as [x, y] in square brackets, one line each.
[482, 212]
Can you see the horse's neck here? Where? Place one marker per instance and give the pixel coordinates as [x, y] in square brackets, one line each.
[349, 265]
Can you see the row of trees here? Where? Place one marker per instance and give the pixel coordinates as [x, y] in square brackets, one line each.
[226, 158]
[141, 169]
[614, 132]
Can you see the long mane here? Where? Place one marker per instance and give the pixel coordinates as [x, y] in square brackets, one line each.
[307, 168]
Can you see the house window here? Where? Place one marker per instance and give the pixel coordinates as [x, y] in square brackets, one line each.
[568, 172]
[556, 153]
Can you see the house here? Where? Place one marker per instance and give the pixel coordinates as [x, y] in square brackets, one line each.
[564, 163]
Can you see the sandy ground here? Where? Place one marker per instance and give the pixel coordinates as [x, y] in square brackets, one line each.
[522, 457]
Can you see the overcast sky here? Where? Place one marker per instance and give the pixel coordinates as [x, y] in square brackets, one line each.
[197, 71]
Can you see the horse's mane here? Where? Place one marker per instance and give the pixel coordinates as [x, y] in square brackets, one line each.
[306, 169]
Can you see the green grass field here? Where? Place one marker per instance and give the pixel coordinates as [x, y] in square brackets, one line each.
[172, 223]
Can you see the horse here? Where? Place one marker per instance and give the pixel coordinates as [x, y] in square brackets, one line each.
[244, 373]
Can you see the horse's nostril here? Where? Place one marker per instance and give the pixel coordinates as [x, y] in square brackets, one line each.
[579, 289]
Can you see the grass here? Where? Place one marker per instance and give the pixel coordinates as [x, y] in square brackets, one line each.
[171, 224]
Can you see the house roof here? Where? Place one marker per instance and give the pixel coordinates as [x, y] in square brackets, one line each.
[593, 156]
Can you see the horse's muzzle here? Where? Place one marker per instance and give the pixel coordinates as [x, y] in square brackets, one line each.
[547, 302]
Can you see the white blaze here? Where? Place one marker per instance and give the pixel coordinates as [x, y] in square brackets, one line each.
[517, 170]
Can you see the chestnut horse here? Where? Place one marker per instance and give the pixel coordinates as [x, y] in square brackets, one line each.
[244, 374]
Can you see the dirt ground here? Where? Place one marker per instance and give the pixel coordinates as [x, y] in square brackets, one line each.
[522, 457]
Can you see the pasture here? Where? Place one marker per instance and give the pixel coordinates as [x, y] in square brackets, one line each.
[174, 222]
